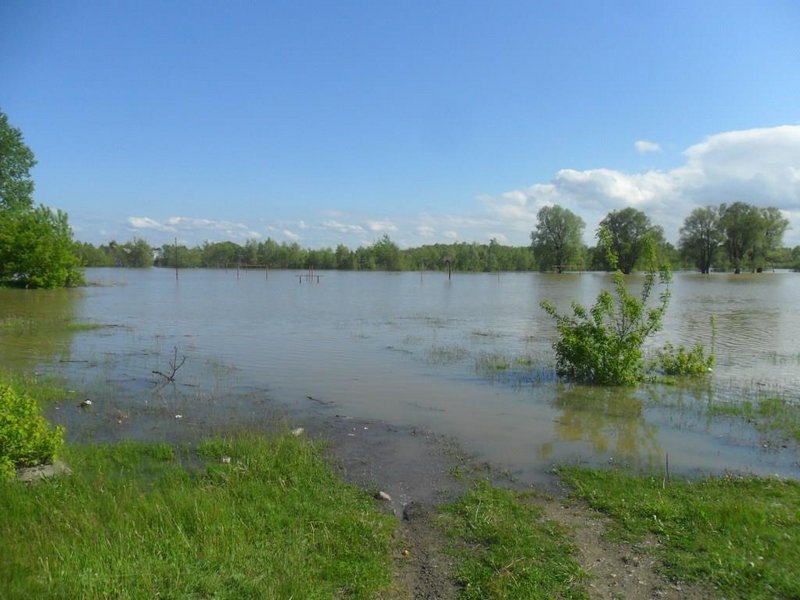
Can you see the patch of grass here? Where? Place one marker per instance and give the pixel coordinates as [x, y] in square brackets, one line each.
[44, 389]
[737, 534]
[148, 520]
[447, 355]
[769, 415]
[506, 550]
[76, 326]
[492, 362]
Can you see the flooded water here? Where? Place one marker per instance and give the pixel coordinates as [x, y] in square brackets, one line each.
[408, 349]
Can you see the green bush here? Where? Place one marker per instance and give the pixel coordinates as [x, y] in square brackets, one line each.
[680, 361]
[603, 345]
[26, 439]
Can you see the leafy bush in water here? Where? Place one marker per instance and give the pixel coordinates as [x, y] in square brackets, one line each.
[26, 439]
[604, 343]
[680, 361]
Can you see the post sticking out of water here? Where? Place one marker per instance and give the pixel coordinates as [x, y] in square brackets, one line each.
[176, 259]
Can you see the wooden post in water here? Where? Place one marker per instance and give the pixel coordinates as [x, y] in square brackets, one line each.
[176, 259]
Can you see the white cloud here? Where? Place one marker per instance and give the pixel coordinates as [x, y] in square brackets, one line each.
[342, 227]
[381, 226]
[148, 223]
[189, 225]
[645, 146]
[759, 166]
[425, 231]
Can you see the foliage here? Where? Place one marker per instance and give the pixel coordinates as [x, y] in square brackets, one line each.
[136, 254]
[26, 439]
[701, 236]
[737, 534]
[36, 249]
[508, 549]
[752, 234]
[16, 161]
[627, 230]
[603, 345]
[272, 522]
[557, 241]
[678, 360]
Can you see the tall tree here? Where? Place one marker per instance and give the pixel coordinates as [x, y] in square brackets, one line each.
[743, 225]
[628, 229]
[557, 242]
[774, 226]
[36, 246]
[701, 236]
[16, 161]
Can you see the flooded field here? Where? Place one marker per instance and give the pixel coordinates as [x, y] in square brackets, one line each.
[469, 358]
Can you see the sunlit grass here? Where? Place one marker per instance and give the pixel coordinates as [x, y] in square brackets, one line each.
[506, 549]
[232, 518]
[737, 534]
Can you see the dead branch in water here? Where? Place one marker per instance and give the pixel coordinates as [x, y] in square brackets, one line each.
[174, 365]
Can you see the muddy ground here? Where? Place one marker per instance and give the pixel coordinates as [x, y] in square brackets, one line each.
[416, 469]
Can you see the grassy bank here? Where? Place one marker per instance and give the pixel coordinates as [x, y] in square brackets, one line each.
[505, 549]
[150, 520]
[739, 535]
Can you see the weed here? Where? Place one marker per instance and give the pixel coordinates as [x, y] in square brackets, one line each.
[26, 439]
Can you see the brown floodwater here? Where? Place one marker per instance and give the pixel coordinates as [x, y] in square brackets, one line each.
[408, 349]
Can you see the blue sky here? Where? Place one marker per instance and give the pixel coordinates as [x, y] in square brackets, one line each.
[337, 122]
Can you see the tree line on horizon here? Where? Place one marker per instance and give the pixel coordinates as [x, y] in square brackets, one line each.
[37, 248]
[731, 237]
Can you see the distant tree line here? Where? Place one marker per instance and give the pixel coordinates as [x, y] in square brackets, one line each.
[383, 255]
[727, 237]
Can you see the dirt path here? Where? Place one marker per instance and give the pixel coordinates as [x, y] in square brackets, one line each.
[415, 468]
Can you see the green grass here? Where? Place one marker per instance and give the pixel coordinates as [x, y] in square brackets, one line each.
[506, 549]
[738, 534]
[768, 415]
[149, 520]
[45, 389]
[77, 327]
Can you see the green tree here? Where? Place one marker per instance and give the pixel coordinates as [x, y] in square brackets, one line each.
[701, 236]
[743, 225]
[557, 242]
[387, 255]
[774, 225]
[627, 230]
[16, 161]
[36, 248]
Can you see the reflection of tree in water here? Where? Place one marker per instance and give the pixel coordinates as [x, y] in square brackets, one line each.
[611, 420]
[34, 326]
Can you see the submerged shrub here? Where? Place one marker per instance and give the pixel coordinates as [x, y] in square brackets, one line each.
[26, 439]
[680, 361]
[603, 344]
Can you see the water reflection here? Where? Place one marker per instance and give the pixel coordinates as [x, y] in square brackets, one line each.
[611, 421]
[35, 326]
